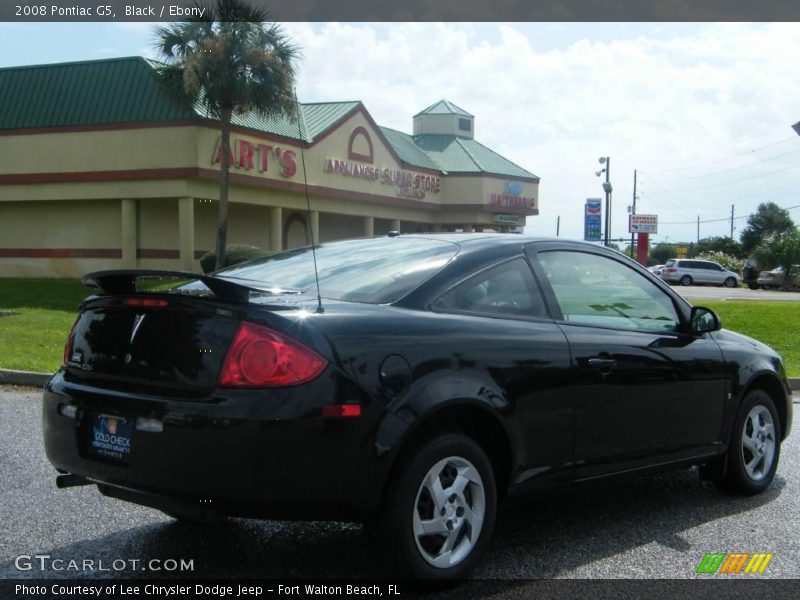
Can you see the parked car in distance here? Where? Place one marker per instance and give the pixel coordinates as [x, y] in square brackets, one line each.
[691, 271]
[656, 269]
[435, 375]
[772, 280]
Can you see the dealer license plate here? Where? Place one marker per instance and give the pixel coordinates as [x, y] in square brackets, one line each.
[111, 436]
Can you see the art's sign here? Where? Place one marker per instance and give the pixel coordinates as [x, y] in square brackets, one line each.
[264, 158]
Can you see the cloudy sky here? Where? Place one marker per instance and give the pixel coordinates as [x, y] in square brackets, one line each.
[702, 111]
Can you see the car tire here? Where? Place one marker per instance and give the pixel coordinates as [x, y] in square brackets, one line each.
[755, 446]
[686, 280]
[730, 282]
[439, 509]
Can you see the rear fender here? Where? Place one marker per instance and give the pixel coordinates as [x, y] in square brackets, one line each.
[437, 393]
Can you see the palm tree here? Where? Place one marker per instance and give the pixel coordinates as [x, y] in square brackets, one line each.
[230, 62]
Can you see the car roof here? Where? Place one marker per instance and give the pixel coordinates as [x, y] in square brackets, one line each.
[474, 240]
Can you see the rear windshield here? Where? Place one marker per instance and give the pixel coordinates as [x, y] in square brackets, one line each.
[375, 270]
[670, 263]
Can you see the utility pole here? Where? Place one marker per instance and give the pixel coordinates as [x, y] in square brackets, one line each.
[698, 230]
[558, 225]
[732, 209]
[607, 190]
[633, 209]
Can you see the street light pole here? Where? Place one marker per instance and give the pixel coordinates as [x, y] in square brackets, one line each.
[606, 160]
[633, 210]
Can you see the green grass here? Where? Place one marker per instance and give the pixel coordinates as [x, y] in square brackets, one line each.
[33, 339]
[775, 323]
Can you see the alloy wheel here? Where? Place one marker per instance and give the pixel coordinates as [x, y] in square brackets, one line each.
[758, 443]
[449, 511]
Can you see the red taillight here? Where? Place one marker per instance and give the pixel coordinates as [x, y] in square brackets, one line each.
[261, 357]
[341, 410]
[670, 270]
[145, 302]
[70, 340]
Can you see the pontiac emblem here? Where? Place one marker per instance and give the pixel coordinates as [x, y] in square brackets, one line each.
[137, 322]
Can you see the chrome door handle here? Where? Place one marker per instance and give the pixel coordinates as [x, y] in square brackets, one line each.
[602, 363]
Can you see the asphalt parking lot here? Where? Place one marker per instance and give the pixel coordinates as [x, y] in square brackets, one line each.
[658, 526]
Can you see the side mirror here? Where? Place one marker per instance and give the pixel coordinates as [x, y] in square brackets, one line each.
[704, 320]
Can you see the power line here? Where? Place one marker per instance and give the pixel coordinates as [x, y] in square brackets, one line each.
[761, 161]
[692, 222]
[708, 187]
[719, 160]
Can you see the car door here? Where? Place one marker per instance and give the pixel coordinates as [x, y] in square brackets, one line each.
[717, 274]
[696, 271]
[506, 331]
[644, 389]
[701, 273]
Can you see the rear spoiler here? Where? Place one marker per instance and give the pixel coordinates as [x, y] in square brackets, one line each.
[231, 289]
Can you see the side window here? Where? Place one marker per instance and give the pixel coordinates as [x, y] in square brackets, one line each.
[506, 289]
[597, 290]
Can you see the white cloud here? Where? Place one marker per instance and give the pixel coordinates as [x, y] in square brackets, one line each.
[650, 103]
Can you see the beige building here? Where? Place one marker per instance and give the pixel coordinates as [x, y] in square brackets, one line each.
[100, 170]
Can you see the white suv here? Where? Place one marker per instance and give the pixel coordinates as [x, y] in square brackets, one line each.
[688, 271]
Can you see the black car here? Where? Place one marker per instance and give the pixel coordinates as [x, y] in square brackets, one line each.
[434, 375]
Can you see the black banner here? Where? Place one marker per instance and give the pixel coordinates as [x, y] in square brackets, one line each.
[412, 10]
[557, 589]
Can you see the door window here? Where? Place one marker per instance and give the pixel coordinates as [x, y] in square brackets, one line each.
[507, 289]
[597, 290]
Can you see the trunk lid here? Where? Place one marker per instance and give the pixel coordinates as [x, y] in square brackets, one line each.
[179, 346]
[161, 338]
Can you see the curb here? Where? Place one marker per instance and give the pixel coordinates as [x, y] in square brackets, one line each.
[30, 378]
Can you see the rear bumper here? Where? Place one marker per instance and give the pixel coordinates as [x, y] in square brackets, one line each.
[240, 454]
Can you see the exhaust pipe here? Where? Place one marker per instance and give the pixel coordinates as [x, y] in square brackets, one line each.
[69, 480]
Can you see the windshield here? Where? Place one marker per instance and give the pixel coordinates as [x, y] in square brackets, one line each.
[375, 270]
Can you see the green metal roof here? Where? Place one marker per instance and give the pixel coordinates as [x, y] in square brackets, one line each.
[443, 107]
[319, 116]
[103, 92]
[455, 154]
[404, 146]
[126, 90]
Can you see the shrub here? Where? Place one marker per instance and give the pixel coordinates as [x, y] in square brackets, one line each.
[729, 262]
[234, 255]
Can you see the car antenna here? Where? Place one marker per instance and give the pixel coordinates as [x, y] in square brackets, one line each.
[320, 310]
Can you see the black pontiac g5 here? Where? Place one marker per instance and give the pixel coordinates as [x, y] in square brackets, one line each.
[441, 373]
